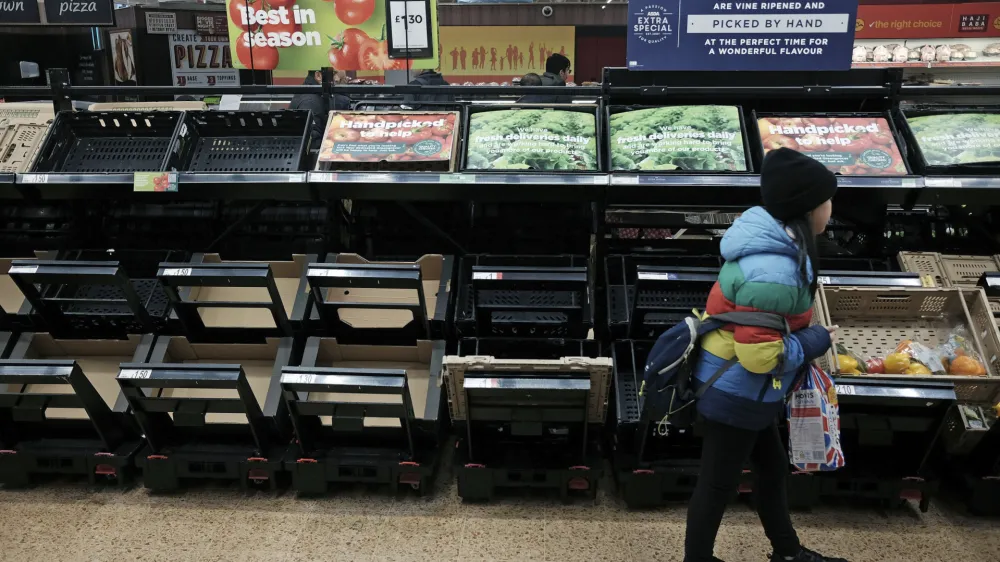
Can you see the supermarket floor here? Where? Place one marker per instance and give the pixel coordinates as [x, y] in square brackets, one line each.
[65, 522]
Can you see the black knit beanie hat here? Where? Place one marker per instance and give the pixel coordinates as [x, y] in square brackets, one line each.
[792, 184]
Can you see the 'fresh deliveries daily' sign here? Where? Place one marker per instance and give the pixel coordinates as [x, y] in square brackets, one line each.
[678, 35]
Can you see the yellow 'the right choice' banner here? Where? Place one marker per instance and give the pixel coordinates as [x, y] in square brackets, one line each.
[501, 53]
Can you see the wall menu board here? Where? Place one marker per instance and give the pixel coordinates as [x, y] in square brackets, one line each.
[957, 138]
[394, 137]
[686, 137]
[850, 146]
[25, 11]
[532, 139]
[57, 12]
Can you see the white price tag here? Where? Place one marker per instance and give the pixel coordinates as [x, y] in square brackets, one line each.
[135, 374]
[627, 180]
[177, 271]
[23, 269]
[823, 280]
[36, 178]
[409, 25]
[298, 378]
[845, 389]
[487, 275]
[651, 275]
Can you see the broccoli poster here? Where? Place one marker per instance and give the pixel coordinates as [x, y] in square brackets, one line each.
[394, 137]
[852, 146]
[685, 137]
[959, 138]
[532, 139]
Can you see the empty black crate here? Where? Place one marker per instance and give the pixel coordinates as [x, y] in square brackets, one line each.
[524, 296]
[668, 289]
[243, 141]
[109, 142]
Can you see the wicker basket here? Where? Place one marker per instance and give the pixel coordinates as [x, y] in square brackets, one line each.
[873, 320]
[949, 270]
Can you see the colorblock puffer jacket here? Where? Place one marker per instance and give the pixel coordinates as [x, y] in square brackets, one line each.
[761, 273]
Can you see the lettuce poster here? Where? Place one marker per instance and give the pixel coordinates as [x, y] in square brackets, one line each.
[959, 138]
[395, 137]
[532, 139]
[686, 137]
[313, 34]
[852, 146]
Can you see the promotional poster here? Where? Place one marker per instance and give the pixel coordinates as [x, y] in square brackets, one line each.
[677, 35]
[532, 139]
[500, 53]
[959, 138]
[313, 34]
[852, 146]
[394, 137]
[687, 137]
[201, 60]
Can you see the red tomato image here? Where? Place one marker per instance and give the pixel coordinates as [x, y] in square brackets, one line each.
[354, 12]
[443, 130]
[264, 58]
[237, 9]
[882, 137]
[417, 136]
[375, 56]
[345, 49]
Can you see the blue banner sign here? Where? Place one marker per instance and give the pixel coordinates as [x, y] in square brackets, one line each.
[706, 35]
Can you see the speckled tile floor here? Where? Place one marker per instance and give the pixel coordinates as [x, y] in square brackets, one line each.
[66, 522]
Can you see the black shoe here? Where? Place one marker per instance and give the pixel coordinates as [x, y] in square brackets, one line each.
[806, 555]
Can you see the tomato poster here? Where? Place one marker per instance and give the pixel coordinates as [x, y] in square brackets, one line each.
[395, 137]
[313, 34]
[852, 146]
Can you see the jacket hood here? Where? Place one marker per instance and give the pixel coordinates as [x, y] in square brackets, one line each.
[757, 232]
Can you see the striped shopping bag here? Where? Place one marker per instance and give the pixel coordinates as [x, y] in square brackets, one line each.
[814, 423]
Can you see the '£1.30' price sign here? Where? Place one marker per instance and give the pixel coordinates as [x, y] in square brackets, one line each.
[409, 29]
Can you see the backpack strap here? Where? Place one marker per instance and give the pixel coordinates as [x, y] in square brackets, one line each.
[758, 319]
[715, 377]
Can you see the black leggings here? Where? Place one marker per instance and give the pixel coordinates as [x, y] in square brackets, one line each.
[725, 449]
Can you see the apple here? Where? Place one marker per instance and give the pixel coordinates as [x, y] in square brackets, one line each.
[774, 142]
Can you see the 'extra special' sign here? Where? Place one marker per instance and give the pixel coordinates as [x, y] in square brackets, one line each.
[678, 35]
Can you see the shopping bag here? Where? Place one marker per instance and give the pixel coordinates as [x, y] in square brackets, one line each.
[814, 423]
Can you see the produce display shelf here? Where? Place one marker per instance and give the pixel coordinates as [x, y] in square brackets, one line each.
[428, 186]
[286, 186]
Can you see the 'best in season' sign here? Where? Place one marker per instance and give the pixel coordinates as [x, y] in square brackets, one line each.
[674, 35]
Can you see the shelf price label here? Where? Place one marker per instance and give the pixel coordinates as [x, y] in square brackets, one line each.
[409, 30]
[154, 181]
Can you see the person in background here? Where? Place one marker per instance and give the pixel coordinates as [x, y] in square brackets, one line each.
[771, 266]
[317, 103]
[557, 70]
[429, 77]
[530, 79]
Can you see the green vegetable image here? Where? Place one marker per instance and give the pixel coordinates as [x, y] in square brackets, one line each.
[532, 139]
[684, 137]
[958, 138]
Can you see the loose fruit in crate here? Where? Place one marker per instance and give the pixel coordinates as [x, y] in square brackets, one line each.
[918, 369]
[960, 355]
[875, 366]
[920, 353]
[897, 363]
[849, 363]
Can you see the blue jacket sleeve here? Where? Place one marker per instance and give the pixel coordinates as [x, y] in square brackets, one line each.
[806, 345]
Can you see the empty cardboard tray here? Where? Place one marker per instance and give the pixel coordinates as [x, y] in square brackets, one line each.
[98, 359]
[287, 278]
[436, 282]
[257, 359]
[416, 360]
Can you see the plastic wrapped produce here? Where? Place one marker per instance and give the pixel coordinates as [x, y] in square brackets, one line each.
[957, 55]
[942, 53]
[859, 54]
[913, 55]
[900, 54]
[927, 53]
[971, 55]
[992, 50]
[881, 54]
